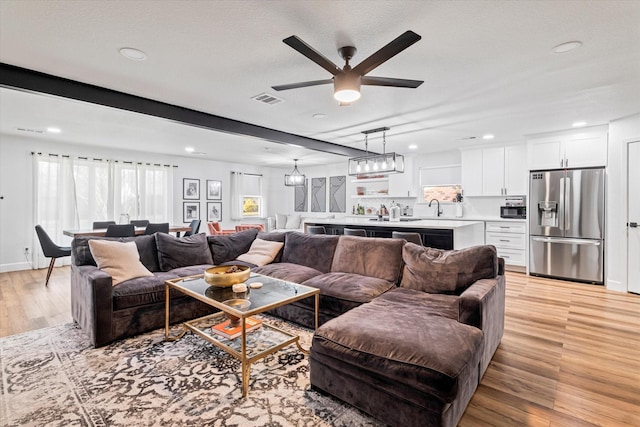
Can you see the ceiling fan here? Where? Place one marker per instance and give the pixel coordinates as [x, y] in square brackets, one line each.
[347, 81]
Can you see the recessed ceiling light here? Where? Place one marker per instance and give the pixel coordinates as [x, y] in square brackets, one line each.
[566, 47]
[487, 136]
[578, 124]
[54, 130]
[189, 149]
[133, 54]
[413, 146]
[319, 116]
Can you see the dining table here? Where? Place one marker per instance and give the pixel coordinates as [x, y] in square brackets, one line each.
[100, 232]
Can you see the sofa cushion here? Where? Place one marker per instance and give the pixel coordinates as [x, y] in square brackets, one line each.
[394, 343]
[274, 236]
[175, 252]
[143, 291]
[120, 260]
[290, 272]
[146, 248]
[369, 256]
[442, 305]
[229, 247]
[439, 271]
[262, 252]
[310, 250]
[341, 292]
[190, 270]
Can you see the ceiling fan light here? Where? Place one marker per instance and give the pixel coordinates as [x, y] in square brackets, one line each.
[346, 87]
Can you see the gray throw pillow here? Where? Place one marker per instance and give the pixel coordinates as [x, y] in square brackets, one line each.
[175, 252]
[447, 272]
[229, 247]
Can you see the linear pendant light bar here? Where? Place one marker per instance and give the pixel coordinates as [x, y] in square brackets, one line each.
[372, 164]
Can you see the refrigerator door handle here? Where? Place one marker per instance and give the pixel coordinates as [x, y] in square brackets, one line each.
[561, 206]
[567, 204]
[569, 241]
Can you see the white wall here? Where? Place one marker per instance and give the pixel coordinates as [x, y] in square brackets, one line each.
[16, 207]
[621, 132]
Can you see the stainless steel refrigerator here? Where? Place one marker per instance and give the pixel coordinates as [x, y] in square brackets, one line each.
[566, 224]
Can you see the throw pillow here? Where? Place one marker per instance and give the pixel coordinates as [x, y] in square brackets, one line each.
[118, 259]
[447, 272]
[175, 252]
[230, 247]
[293, 221]
[281, 220]
[262, 252]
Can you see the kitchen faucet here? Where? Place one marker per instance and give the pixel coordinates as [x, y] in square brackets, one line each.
[438, 211]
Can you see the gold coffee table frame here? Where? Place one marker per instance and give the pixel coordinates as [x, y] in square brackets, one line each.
[274, 293]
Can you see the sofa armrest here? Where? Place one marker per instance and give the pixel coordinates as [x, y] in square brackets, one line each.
[482, 306]
[92, 302]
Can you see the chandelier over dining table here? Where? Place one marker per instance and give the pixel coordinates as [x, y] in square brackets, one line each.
[373, 164]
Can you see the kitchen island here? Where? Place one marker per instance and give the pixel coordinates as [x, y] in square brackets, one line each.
[435, 233]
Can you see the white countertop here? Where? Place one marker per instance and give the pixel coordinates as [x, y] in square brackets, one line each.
[425, 223]
[444, 218]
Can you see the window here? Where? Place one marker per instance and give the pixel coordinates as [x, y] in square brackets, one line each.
[252, 196]
[440, 182]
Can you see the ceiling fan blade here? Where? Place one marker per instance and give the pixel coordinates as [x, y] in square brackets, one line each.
[299, 45]
[396, 46]
[387, 81]
[302, 84]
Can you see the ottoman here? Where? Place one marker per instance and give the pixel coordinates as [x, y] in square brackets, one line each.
[406, 362]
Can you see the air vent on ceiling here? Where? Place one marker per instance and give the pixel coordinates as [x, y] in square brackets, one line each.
[29, 130]
[268, 99]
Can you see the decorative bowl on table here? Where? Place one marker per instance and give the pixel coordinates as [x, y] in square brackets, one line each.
[224, 276]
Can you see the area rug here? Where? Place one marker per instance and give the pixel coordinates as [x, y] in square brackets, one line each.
[53, 377]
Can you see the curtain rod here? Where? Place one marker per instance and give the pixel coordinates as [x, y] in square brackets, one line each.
[245, 173]
[128, 162]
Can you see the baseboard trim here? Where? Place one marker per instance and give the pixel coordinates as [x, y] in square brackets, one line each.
[17, 266]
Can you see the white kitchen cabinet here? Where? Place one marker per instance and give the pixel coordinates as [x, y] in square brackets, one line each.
[569, 150]
[403, 184]
[495, 171]
[510, 240]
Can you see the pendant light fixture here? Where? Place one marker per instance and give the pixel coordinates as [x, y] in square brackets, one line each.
[295, 178]
[376, 164]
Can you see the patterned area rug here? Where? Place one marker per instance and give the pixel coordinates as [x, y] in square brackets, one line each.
[53, 377]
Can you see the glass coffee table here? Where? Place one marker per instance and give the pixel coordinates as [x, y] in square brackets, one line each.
[250, 346]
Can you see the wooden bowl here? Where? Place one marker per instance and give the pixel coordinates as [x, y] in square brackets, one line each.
[218, 276]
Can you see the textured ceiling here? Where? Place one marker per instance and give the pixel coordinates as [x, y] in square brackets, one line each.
[487, 67]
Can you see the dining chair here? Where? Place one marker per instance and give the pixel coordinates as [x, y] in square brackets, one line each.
[102, 224]
[158, 227]
[409, 237]
[195, 227]
[120, 230]
[355, 232]
[51, 250]
[316, 229]
[139, 222]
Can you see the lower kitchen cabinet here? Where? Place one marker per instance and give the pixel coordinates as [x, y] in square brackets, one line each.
[510, 240]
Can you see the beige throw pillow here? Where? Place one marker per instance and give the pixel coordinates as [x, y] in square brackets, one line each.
[120, 260]
[262, 252]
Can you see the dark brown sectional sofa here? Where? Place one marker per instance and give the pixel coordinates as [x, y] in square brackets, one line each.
[406, 332]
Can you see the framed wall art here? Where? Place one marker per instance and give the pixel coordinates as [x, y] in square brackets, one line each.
[318, 194]
[214, 211]
[214, 190]
[190, 189]
[190, 211]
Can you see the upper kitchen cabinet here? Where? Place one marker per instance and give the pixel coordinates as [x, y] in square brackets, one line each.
[569, 149]
[403, 184]
[495, 171]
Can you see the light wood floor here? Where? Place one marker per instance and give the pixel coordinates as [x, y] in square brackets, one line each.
[570, 355]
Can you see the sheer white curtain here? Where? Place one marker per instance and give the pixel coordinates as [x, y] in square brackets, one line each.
[71, 192]
[237, 189]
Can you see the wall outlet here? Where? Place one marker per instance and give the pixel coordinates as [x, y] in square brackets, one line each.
[26, 251]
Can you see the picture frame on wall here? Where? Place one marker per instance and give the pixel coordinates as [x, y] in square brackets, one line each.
[190, 189]
[214, 190]
[190, 211]
[214, 211]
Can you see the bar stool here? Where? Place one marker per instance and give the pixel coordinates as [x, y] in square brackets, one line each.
[355, 232]
[409, 237]
[316, 229]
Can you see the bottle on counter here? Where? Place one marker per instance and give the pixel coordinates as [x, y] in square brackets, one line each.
[394, 212]
[459, 210]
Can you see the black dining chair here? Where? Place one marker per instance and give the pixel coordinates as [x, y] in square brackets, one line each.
[139, 222]
[355, 232]
[316, 229]
[160, 227]
[409, 237]
[51, 250]
[195, 227]
[102, 224]
[120, 230]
